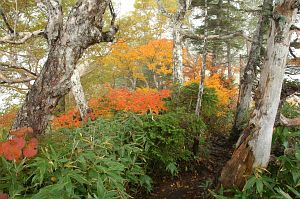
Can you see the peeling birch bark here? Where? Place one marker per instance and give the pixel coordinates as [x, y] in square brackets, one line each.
[78, 94]
[248, 75]
[255, 143]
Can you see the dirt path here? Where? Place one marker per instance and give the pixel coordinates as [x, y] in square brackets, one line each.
[195, 184]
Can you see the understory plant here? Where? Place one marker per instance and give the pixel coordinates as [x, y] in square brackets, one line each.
[100, 160]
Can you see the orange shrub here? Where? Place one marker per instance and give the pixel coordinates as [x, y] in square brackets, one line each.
[7, 119]
[140, 101]
[18, 146]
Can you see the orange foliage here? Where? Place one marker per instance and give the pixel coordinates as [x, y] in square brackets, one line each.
[18, 146]
[139, 101]
[157, 56]
[225, 94]
[7, 119]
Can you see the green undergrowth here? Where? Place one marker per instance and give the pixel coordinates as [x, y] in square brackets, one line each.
[107, 158]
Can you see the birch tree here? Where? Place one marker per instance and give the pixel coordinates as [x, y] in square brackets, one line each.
[248, 76]
[176, 23]
[78, 93]
[67, 40]
[203, 69]
[254, 147]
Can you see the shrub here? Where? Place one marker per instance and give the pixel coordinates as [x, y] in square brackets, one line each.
[187, 99]
[20, 145]
[101, 160]
[171, 138]
[218, 116]
[140, 101]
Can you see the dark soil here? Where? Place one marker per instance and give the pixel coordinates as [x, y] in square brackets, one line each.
[200, 177]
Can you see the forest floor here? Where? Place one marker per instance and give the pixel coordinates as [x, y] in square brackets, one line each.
[196, 181]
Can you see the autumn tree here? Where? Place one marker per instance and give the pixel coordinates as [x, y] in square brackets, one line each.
[254, 146]
[177, 19]
[157, 57]
[67, 41]
[143, 24]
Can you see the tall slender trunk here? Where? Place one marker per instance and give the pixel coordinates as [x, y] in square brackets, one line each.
[203, 69]
[177, 53]
[255, 143]
[177, 21]
[248, 75]
[228, 57]
[155, 80]
[78, 94]
[67, 42]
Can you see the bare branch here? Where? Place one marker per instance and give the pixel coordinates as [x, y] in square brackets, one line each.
[289, 122]
[216, 37]
[6, 66]
[15, 87]
[21, 37]
[5, 80]
[6, 21]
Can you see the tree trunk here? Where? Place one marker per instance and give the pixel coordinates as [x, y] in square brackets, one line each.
[228, 56]
[67, 42]
[177, 20]
[248, 75]
[177, 53]
[203, 69]
[255, 147]
[155, 80]
[78, 94]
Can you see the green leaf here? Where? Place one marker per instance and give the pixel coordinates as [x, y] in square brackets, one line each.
[250, 183]
[284, 194]
[294, 191]
[100, 189]
[259, 187]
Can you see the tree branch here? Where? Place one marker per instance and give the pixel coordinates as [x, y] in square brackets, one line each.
[5, 80]
[289, 122]
[183, 6]
[215, 37]
[10, 30]
[21, 37]
[54, 13]
[108, 36]
[6, 66]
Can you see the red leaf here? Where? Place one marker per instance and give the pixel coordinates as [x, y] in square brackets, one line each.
[30, 151]
[33, 142]
[18, 142]
[21, 132]
[11, 152]
[3, 196]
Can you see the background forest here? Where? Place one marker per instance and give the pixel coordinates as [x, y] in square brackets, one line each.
[170, 99]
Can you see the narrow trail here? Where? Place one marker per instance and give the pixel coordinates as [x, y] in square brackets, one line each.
[193, 184]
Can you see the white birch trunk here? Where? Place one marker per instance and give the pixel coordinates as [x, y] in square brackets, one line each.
[203, 69]
[177, 20]
[177, 53]
[254, 150]
[248, 75]
[78, 94]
